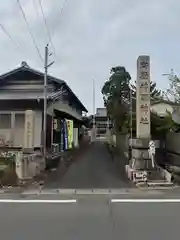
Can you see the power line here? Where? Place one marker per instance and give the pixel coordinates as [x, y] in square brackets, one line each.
[63, 6]
[29, 29]
[37, 12]
[9, 36]
[47, 28]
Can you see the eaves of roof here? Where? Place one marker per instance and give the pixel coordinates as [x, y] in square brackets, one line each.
[49, 78]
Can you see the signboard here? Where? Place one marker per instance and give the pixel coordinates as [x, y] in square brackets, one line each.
[143, 97]
[140, 176]
[70, 133]
[65, 133]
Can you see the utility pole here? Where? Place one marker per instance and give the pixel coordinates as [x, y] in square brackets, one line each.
[46, 66]
[131, 114]
[93, 103]
[131, 124]
[94, 120]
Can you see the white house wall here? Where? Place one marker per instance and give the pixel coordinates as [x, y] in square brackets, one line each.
[5, 134]
[20, 127]
[16, 132]
[161, 109]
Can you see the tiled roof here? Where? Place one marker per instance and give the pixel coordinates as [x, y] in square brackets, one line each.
[25, 67]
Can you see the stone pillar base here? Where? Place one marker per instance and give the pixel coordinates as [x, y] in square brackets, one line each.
[136, 175]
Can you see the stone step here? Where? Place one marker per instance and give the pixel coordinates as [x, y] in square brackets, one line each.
[155, 183]
[155, 175]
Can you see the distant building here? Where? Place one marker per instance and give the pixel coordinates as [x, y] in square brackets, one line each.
[101, 112]
[101, 121]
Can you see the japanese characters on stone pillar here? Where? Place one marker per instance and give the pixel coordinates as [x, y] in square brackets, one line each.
[143, 98]
[29, 130]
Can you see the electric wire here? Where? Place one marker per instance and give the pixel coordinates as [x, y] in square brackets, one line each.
[47, 28]
[9, 36]
[29, 29]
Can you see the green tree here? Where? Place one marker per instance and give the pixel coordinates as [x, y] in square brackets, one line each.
[116, 92]
[159, 125]
[154, 92]
[173, 92]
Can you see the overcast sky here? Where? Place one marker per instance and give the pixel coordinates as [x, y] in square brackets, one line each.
[91, 36]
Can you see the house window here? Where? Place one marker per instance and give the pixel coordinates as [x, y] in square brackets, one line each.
[5, 121]
[19, 120]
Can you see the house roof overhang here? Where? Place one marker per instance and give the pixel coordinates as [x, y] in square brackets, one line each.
[61, 83]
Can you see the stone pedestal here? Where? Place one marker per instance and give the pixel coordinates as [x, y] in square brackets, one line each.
[139, 154]
[140, 163]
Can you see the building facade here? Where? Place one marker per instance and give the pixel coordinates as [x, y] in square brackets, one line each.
[101, 122]
[23, 89]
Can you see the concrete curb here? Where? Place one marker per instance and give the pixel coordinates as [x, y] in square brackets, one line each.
[155, 185]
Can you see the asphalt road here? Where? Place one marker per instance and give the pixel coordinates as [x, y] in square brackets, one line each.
[94, 169]
[54, 212]
[89, 218]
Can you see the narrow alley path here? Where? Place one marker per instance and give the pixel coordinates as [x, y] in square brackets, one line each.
[94, 169]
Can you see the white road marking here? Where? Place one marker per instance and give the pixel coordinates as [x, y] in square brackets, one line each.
[36, 201]
[145, 200]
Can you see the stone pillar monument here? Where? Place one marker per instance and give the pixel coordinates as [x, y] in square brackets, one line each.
[143, 98]
[140, 162]
[29, 131]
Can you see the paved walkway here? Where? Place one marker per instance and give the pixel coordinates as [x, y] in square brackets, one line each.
[94, 169]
